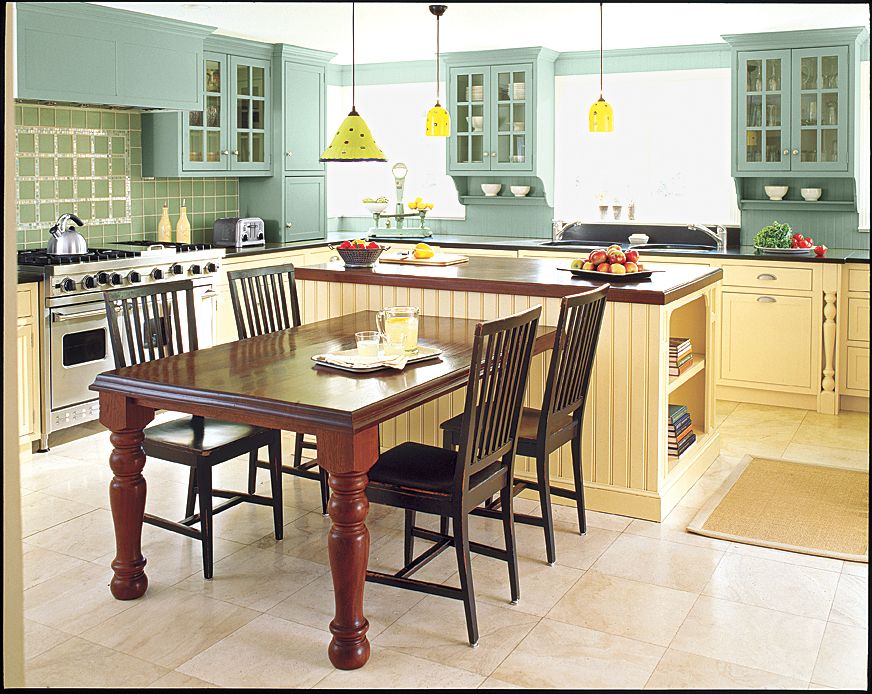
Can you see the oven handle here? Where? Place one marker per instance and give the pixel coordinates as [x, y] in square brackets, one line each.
[58, 317]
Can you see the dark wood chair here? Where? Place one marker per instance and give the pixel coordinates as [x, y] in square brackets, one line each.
[560, 420]
[450, 484]
[264, 301]
[147, 323]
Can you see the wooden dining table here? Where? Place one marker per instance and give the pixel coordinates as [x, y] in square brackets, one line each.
[271, 381]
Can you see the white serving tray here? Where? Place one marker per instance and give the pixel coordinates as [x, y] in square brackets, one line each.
[423, 354]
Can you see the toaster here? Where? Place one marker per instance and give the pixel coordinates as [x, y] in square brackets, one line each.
[237, 232]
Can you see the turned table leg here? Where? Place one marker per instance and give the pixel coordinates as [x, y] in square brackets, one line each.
[126, 492]
[346, 457]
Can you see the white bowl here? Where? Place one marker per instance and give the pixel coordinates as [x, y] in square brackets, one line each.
[477, 123]
[490, 190]
[637, 239]
[376, 207]
[775, 192]
[519, 191]
[810, 194]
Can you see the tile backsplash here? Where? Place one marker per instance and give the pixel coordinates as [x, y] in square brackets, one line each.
[89, 161]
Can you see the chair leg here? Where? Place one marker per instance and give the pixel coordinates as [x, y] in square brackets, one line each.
[408, 538]
[464, 568]
[545, 504]
[252, 471]
[204, 489]
[275, 475]
[443, 525]
[325, 491]
[298, 449]
[509, 533]
[579, 483]
[192, 492]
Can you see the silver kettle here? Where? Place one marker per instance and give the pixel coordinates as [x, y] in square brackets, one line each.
[65, 240]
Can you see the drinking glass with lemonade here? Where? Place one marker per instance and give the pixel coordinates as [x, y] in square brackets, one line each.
[398, 326]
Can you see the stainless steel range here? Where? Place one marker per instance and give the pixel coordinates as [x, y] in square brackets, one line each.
[75, 338]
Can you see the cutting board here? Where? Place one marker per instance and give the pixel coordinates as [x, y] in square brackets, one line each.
[440, 259]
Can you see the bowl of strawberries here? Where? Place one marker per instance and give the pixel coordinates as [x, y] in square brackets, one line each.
[358, 253]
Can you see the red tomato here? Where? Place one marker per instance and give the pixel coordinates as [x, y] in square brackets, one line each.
[344, 245]
[805, 243]
[794, 243]
[820, 251]
[797, 236]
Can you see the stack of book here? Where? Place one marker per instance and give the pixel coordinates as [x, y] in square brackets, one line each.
[680, 431]
[680, 355]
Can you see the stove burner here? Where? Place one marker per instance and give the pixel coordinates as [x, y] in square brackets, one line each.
[180, 247]
[41, 257]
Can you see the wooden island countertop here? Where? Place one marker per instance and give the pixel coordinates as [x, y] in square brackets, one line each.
[519, 277]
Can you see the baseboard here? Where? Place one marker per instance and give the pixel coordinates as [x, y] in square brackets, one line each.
[854, 403]
[756, 396]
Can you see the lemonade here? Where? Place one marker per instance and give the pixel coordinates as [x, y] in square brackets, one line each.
[402, 330]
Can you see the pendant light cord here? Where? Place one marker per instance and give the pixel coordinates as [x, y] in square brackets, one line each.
[601, 51]
[353, 61]
[437, 58]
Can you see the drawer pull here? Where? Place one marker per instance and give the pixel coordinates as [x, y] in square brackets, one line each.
[767, 276]
[766, 299]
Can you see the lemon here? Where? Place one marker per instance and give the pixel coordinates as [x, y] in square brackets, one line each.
[423, 253]
[424, 247]
[358, 242]
[413, 205]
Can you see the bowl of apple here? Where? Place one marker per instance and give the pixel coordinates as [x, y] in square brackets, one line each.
[359, 253]
[611, 264]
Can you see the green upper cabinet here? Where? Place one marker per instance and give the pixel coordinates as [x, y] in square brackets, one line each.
[82, 53]
[796, 102]
[231, 135]
[304, 117]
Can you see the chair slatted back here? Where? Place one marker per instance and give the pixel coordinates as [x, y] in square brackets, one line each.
[501, 355]
[146, 323]
[578, 330]
[264, 300]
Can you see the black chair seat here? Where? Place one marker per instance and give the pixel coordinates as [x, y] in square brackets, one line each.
[201, 435]
[417, 466]
[527, 429]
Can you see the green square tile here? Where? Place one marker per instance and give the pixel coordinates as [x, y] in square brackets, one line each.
[62, 117]
[83, 190]
[152, 206]
[18, 110]
[186, 187]
[26, 142]
[26, 190]
[209, 188]
[118, 166]
[101, 189]
[160, 189]
[107, 120]
[26, 213]
[149, 189]
[173, 189]
[48, 212]
[92, 119]
[26, 166]
[64, 144]
[83, 144]
[47, 190]
[65, 166]
[101, 167]
[35, 237]
[101, 144]
[122, 121]
[136, 138]
[119, 209]
[46, 144]
[136, 189]
[46, 166]
[77, 118]
[135, 121]
[101, 209]
[47, 116]
[30, 115]
[83, 166]
[118, 188]
[136, 156]
[209, 205]
[137, 207]
[65, 190]
[117, 146]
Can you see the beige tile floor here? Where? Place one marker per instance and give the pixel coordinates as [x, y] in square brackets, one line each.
[632, 604]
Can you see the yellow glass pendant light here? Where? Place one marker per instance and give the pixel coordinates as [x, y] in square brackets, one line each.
[353, 141]
[438, 120]
[600, 116]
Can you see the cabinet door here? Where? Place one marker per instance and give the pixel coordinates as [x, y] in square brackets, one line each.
[820, 108]
[766, 341]
[204, 142]
[26, 394]
[469, 146]
[763, 118]
[249, 129]
[304, 117]
[304, 208]
[512, 118]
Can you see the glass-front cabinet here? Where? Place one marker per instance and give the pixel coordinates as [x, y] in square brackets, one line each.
[791, 110]
[205, 146]
[492, 118]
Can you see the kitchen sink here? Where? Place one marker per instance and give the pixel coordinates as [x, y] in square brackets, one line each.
[673, 247]
[570, 243]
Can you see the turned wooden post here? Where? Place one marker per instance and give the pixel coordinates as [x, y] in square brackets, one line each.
[126, 421]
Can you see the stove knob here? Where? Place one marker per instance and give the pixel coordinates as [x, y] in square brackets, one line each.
[133, 276]
[67, 285]
[103, 277]
[115, 279]
[195, 270]
[177, 269]
[211, 267]
[157, 274]
[89, 282]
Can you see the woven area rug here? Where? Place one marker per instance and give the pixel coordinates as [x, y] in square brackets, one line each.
[796, 507]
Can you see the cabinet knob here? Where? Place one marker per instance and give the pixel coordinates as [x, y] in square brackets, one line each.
[288, 225]
[795, 152]
[290, 154]
[487, 154]
[227, 151]
[493, 154]
[235, 152]
[786, 152]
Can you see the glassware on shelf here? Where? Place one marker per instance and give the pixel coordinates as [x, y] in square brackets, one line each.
[604, 211]
[631, 211]
[617, 208]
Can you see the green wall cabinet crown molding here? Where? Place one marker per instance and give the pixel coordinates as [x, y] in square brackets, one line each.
[82, 53]
[805, 38]
[218, 43]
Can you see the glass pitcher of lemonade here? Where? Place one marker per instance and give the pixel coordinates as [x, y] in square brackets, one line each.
[399, 325]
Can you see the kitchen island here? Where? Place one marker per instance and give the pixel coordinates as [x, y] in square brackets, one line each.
[626, 465]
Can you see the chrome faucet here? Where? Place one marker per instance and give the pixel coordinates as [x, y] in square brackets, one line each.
[559, 227]
[720, 235]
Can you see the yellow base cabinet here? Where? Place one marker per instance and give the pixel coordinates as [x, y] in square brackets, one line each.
[854, 338]
[28, 330]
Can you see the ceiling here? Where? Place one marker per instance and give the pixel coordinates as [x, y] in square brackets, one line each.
[404, 31]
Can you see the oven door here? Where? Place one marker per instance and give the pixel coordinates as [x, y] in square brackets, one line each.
[79, 349]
